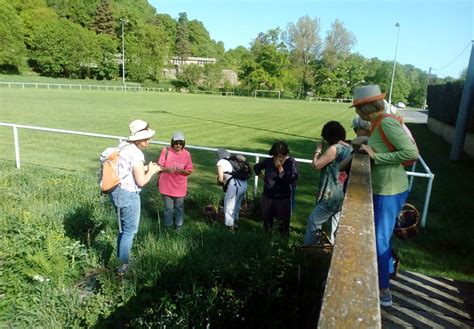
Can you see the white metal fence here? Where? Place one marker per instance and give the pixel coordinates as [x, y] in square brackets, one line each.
[37, 85]
[426, 174]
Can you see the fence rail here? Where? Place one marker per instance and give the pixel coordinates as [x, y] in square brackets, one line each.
[332, 100]
[38, 85]
[351, 296]
[427, 174]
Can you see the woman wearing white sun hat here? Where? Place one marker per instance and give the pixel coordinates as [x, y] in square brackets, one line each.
[134, 174]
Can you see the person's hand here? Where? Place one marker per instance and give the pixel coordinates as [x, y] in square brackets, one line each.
[153, 167]
[319, 147]
[367, 149]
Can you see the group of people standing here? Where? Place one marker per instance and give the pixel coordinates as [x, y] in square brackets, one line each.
[280, 174]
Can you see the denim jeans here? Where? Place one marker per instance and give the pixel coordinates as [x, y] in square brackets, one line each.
[386, 210]
[320, 214]
[173, 206]
[233, 200]
[127, 205]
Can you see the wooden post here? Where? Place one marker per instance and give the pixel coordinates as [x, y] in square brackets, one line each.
[351, 296]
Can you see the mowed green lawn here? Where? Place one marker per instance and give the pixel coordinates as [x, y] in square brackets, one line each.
[237, 123]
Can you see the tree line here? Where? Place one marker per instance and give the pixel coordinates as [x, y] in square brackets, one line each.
[83, 39]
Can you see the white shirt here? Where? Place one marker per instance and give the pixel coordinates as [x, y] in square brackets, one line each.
[130, 156]
[226, 166]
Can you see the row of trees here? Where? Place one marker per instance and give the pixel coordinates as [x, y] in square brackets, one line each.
[82, 39]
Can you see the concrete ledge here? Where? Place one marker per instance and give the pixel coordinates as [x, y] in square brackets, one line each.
[447, 132]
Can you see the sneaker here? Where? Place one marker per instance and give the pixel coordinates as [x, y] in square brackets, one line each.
[178, 228]
[385, 297]
[123, 269]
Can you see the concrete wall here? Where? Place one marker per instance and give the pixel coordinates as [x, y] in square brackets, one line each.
[447, 132]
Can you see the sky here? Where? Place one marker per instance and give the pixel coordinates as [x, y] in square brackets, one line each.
[432, 33]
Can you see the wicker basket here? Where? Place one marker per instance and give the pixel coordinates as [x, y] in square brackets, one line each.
[407, 223]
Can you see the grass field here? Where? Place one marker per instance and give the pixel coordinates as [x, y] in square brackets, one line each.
[57, 226]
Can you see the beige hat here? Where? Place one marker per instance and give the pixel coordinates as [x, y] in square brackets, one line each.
[139, 130]
[366, 94]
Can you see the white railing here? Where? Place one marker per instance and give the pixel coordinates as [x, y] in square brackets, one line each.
[37, 85]
[211, 92]
[427, 174]
[328, 99]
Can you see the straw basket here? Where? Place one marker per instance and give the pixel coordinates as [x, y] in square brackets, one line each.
[406, 225]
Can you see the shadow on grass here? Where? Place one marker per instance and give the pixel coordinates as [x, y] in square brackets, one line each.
[223, 123]
[225, 280]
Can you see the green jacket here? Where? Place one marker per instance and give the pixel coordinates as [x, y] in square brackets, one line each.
[388, 175]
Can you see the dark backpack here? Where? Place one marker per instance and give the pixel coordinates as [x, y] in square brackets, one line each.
[241, 169]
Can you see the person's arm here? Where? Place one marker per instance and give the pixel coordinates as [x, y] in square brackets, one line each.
[320, 160]
[141, 176]
[404, 147]
[345, 164]
[220, 175]
[258, 167]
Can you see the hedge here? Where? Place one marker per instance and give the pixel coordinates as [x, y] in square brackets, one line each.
[443, 103]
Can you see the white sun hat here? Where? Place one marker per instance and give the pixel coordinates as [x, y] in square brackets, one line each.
[366, 94]
[139, 130]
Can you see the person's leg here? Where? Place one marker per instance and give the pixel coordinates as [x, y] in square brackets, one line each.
[242, 189]
[335, 218]
[316, 219]
[130, 219]
[179, 211]
[230, 200]
[169, 210]
[268, 213]
[386, 209]
[283, 214]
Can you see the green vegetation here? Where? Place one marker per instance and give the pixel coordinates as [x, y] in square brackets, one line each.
[57, 261]
[83, 40]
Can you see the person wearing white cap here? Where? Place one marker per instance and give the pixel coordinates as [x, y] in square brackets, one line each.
[389, 179]
[134, 174]
[173, 182]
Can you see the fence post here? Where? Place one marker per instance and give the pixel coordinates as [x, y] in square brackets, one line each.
[255, 182]
[17, 147]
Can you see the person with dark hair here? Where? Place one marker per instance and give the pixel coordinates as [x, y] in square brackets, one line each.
[173, 182]
[281, 173]
[331, 194]
[389, 179]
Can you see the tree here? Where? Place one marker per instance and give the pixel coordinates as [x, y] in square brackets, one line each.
[64, 49]
[304, 43]
[266, 62]
[169, 26]
[12, 48]
[183, 46]
[212, 76]
[191, 75]
[200, 41]
[104, 19]
[338, 43]
[147, 52]
[233, 58]
[107, 65]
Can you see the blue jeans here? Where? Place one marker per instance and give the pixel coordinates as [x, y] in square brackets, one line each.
[127, 205]
[233, 200]
[386, 210]
[173, 205]
[320, 214]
